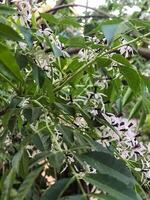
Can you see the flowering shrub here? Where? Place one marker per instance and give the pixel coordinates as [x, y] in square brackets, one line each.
[74, 100]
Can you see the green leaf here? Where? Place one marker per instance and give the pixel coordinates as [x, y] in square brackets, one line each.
[61, 21]
[27, 184]
[76, 42]
[136, 108]
[142, 120]
[12, 123]
[132, 77]
[20, 163]
[22, 60]
[15, 102]
[57, 189]
[73, 197]
[130, 74]
[146, 104]
[103, 62]
[57, 51]
[8, 183]
[24, 165]
[32, 114]
[42, 140]
[127, 96]
[6, 72]
[69, 109]
[141, 23]
[112, 186]
[56, 160]
[27, 35]
[68, 135]
[121, 60]
[48, 89]
[104, 197]
[9, 33]
[6, 10]
[9, 61]
[74, 64]
[38, 75]
[110, 31]
[146, 81]
[17, 160]
[36, 113]
[113, 28]
[105, 163]
[27, 112]
[69, 21]
[49, 18]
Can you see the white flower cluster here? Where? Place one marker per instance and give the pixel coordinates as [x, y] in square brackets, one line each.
[25, 9]
[89, 53]
[126, 50]
[125, 137]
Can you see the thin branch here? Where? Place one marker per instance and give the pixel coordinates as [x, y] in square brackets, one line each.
[100, 12]
[88, 16]
[59, 3]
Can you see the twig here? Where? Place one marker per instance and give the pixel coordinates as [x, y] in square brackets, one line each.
[59, 3]
[88, 16]
[100, 12]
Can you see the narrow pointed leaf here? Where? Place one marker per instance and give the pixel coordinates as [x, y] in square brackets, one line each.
[112, 186]
[57, 190]
[27, 184]
[127, 96]
[107, 164]
[6, 10]
[9, 61]
[135, 108]
[9, 33]
[8, 183]
[132, 77]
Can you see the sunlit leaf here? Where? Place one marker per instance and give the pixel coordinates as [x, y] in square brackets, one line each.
[9, 33]
[6, 10]
[9, 61]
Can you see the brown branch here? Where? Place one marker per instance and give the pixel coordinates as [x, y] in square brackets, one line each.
[72, 51]
[56, 8]
[145, 52]
[78, 5]
[89, 16]
[59, 3]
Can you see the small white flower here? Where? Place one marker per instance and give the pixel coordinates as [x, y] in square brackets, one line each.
[80, 122]
[147, 174]
[94, 112]
[126, 51]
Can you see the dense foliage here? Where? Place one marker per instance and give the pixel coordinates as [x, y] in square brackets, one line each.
[74, 102]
